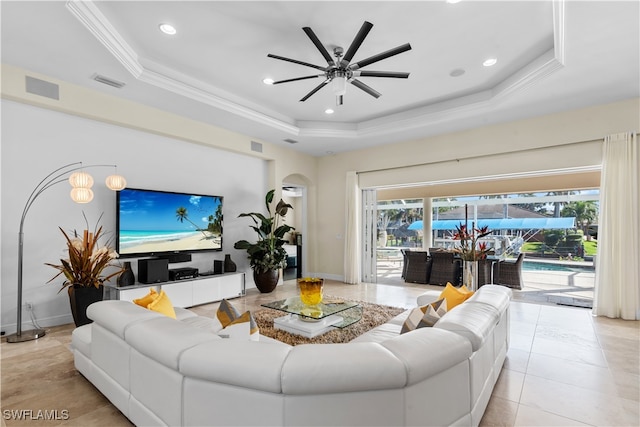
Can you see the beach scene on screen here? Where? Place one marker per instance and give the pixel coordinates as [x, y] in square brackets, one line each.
[152, 221]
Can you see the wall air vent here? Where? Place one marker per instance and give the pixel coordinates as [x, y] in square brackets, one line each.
[291, 141]
[42, 88]
[256, 146]
[107, 81]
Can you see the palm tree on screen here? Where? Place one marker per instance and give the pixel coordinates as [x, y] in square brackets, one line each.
[183, 215]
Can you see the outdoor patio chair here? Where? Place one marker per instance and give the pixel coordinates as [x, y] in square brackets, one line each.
[484, 271]
[509, 273]
[405, 264]
[418, 267]
[444, 268]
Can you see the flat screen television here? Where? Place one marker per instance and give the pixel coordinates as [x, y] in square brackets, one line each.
[161, 223]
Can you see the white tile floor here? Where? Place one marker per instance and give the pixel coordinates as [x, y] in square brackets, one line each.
[566, 367]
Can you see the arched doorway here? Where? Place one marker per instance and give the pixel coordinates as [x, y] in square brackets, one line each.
[294, 192]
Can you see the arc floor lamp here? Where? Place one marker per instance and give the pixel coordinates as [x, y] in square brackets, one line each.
[80, 193]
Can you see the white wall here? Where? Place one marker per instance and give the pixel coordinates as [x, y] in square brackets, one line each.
[36, 141]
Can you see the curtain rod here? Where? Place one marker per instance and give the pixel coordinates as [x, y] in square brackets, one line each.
[480, 156]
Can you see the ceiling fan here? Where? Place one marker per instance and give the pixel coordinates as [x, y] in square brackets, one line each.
[340, 70]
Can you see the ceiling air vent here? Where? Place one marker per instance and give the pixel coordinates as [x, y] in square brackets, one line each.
[291, 141]
[107, 81]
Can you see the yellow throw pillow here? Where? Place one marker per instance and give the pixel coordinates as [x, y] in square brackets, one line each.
[147, 299]
[162, 304]
[455, 296]
[465, 290]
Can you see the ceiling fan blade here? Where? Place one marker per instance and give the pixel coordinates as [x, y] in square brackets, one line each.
[295, 61]
[381, 56]
[315, 76]
[309, 32]
[355, 44]
[393, 74]
[357, 83]
[317, 88]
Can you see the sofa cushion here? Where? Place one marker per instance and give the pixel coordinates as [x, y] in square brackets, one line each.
[425, 316]
[116, 316]
[380, 333]
[183, 313]
[494, 295]
[475, 322]
[442, 348]
[341, 368]
[164, 339]
[240, 363]
[81, 339]
[428, 297]
[400, 318]
[205, 323]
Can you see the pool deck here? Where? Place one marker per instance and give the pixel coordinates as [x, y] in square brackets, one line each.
[540, 286]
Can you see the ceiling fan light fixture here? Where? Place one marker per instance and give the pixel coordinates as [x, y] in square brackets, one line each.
[340, 71]
[339, 85]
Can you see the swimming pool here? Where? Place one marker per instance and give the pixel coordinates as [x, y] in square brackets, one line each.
[546, 266]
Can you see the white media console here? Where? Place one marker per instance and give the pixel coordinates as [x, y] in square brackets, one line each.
[187, 292]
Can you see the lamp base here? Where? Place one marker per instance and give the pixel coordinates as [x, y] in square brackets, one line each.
[30, 335]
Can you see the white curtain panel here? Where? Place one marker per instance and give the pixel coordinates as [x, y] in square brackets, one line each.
[352, 232]
[617, 291]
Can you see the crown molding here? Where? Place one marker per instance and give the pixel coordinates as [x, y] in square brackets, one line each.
[93, 20]
[455, 108]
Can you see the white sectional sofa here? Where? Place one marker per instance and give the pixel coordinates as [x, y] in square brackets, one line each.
[162, 371]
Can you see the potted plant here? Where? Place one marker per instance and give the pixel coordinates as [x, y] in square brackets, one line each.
[471, 250]
[267, 256]
[84, 270]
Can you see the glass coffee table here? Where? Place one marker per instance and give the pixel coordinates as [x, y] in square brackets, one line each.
[311, 321]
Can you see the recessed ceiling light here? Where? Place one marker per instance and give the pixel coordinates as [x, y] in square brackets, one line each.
[489, 62]
[267, 81]
[457, 72]
[167, 29]
[328, 111]
[453, 1]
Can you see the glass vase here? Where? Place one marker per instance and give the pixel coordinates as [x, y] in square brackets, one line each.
[311, 291]
[470, 275]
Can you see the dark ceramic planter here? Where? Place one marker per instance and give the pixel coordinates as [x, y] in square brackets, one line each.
[266, 281]
[80, 298]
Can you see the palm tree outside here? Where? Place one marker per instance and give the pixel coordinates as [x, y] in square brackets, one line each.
[585, 212]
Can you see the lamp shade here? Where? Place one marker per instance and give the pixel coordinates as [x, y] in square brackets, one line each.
[81, 180]
[81, 195]
[116, 182]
